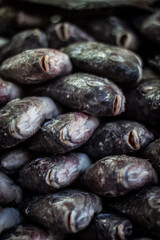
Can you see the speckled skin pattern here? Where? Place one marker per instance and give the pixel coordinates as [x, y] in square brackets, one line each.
[117, 64]
[142, 207]
[35, 66]
[68, 211]
[118, 137]
[46, 175]
[117, 175]
[87, 93]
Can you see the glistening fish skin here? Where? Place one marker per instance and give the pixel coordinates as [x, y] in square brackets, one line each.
[9, 192]
[46, 174]
[29, 232]
[8, 92]
[118, 137]
[64, 33]
[86, 93]
[64, 133]
[117, 64]
[67, 211]
[143, 103]
[20, 119]
[143, 208]
[35, 66]
[29, 39]
[117, 175]
[9, 217]
[112, 30]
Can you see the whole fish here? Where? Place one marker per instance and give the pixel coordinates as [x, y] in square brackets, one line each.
[143, 103]
[9, 217]
[35, 66]
[118, 137]
[29, 232]
[9, 191]
[86, 93]
[46, 174]
[114, 63]
[64, 133]
[64, 33]
[143, 208]
[68, 211]
[8, 92]
[117, 175]
[112, 30]
[12, 161]
[28, 39]
[20, 119]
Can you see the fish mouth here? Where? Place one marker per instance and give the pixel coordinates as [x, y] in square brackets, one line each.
[124, 40]
[118, 105]
[123, 230]
[133, 140]
[62, 30]
[44, 63]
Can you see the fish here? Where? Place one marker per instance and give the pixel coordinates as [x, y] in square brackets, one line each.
[142, 207]
[64, 133]
[22, 118]
[35, 66]
[48, 174]
[24, 40]
[118, 175]
[85, 93]
[67, 211]
[9, 191]
[65, 33]
[115, 63]
[118, 137]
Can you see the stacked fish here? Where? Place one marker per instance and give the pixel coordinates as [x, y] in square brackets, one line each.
[79, 120]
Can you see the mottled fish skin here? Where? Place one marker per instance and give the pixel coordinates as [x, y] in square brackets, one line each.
[9, 192]
[112, 30]
[86, 93]
[64, 133]
[117, 64]
[46, 174]
[117, 175]
[143, 103]
[12, 161]
[8, 92]
[65, 33]
[9, 217]
[63, 212]
[143, 208]
[118, 137]
[35, 66]
[28, 39]
[20, 119]
[29, 232]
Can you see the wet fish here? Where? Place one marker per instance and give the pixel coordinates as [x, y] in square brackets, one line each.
[117, 175]
[117, 64]
[118, 137]
[143, 208]
[9, 217]
[65, 33]
[46, 174]
[107, 225]
[143, 103]
[29, 232]
[28, 39]
[64, 133]
[35, 66]
[20, 119]
[9, 191]
[12, 161]
[86, 93]
[8, 92]
[112, 30]
[63, 212]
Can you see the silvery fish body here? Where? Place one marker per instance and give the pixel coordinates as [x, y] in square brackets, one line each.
[117, 175]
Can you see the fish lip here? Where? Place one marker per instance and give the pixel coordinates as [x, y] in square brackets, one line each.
[118, 105]
[133, 140]
[44, 63]
[128, 40]
[123, 230]
[62, 31]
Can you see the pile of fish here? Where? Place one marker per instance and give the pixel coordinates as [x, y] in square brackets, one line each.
[79, 120]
